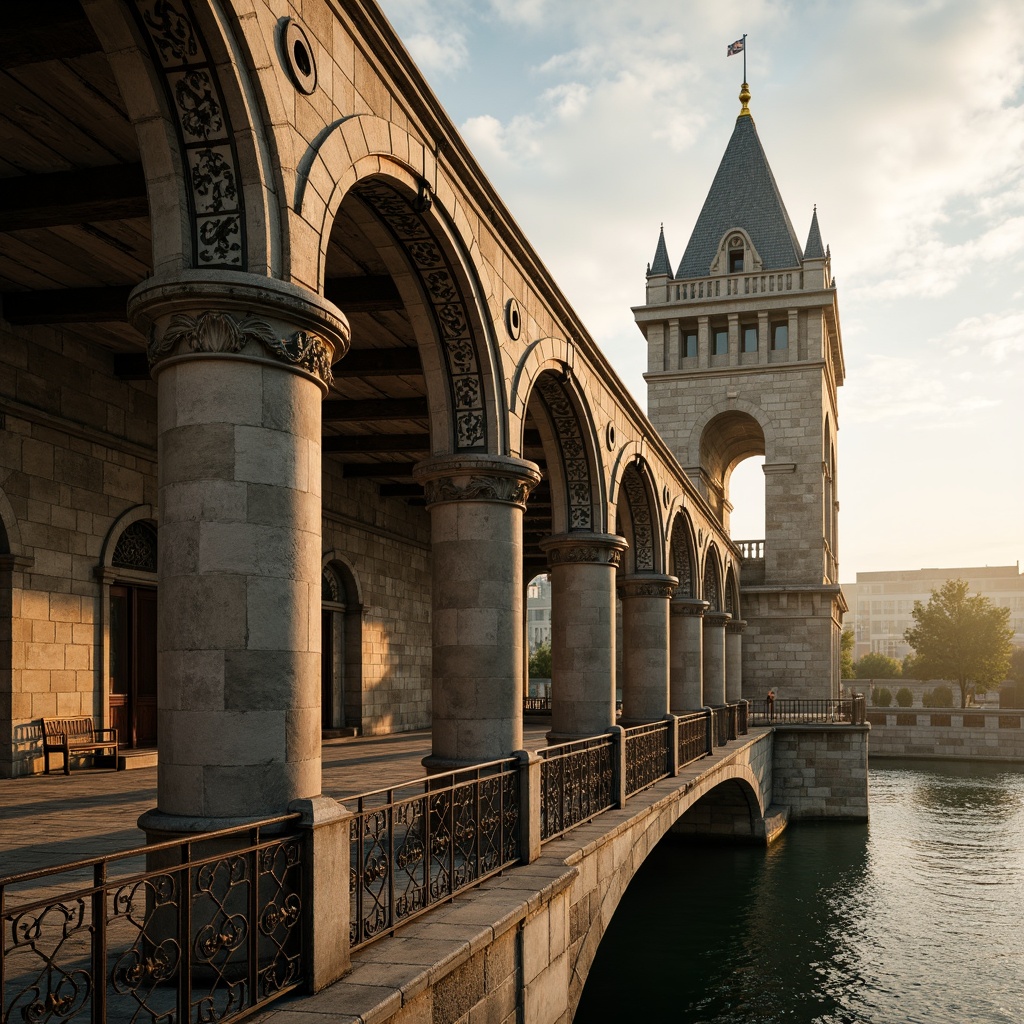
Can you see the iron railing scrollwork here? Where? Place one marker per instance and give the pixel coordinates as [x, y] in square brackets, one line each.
[693, 738]
[648, 755]
[210, 930]
[577, 782]
[537, 704]
[417, 845]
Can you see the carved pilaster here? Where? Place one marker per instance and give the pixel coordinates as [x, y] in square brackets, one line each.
[244, 316]
[477, 478]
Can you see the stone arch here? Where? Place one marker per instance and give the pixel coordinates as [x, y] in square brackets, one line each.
[736, 238]
[683, 554]
[736, 776]
[638, 518]
[341, 644]
[10, 534]
[442, 290]
[560, 410]
[711, 579]
[731, 593]
[201, 144]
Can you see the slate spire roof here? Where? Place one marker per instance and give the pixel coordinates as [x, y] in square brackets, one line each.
[814, 250]
[743, 195]
[661, 264]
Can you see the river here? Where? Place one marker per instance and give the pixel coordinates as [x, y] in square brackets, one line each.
[914, 918]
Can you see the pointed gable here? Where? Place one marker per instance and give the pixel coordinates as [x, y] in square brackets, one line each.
[743, 195]
[814, 250]
[661, 264]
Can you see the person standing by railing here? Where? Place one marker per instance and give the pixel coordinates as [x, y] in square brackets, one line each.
[771, 705]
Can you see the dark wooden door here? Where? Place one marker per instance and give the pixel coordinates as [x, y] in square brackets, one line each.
[326, 670]
[133, 682]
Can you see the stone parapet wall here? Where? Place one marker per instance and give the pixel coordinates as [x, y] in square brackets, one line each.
[820, 771]
[971, 735]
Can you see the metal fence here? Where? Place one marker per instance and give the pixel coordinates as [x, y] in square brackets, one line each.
[693, 738]
[648, 755]
[209, 929]
[577, 782]
[848, 710]
[416, 845]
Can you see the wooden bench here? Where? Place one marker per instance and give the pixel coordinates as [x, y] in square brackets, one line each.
[73, 736]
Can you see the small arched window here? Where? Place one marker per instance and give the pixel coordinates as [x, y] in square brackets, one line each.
[136, 548]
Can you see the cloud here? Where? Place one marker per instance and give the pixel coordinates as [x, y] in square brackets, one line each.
[992, 336]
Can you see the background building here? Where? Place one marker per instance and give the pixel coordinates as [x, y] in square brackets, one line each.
[881, 603]
[538, 612]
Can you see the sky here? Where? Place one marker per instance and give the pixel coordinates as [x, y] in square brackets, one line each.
[903, 120]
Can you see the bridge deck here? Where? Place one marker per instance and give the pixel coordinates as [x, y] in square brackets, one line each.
[54, 819]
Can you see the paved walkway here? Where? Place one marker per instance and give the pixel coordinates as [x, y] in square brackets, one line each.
[53, 819]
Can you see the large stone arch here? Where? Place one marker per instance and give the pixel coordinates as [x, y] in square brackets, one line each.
[634, 848]
[441, 287]
[557, 401]
[711, 579]
[206, 160]
[638, 517]
[682, 558]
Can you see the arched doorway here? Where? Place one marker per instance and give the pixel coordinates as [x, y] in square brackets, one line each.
[341, 666]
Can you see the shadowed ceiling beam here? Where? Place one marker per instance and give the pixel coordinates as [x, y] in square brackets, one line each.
[67, 306]
[73, 197]
[44, 30]
[367, 294]
[371, 444]
[378, 362]
[366, 410]
[398, 470]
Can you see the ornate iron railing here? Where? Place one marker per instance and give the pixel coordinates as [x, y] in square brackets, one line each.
[537, 703]
[577, 782]
[850, 710]
[721, 724]
[416, 845]
[209, 930]
[742, 717]
[648, 755]
[693, 737]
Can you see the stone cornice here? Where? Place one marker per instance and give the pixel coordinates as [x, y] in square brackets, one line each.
[577, 548]
[499, 478]
[647, 584]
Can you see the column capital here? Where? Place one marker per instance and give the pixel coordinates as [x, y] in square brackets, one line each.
[714, 619]
[688, 606]
[736, 625]
[647, 584]
[215, 315]
[472, 477]
[575, 548]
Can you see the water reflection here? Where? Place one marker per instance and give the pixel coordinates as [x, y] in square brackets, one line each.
[915, 917]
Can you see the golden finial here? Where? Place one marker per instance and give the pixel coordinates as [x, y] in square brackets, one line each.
[745, 99]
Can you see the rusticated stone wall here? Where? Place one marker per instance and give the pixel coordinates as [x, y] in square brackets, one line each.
[955, 735]
[821, 771]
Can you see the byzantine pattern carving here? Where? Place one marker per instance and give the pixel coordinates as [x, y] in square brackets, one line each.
[571, 554]
[204, 132]
[574, 455]
[711, 581]
[640, 514]
[448, 306]
[136, 548]
[509, 489]
[216, 331]
[682, 562]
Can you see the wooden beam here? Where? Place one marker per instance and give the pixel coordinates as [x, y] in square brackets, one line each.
[67, 306]
[374, 409]
[400, 490]
[73, 197]
[373, 444]
[44, 30]
[370, 470]
[369, 293]
[379, 362]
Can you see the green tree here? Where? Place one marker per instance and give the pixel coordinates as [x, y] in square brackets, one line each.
[881, 696]
[905, 697]
[962, 638]
[540, 662]
[878, 666]
[911, 668]
[846, 655]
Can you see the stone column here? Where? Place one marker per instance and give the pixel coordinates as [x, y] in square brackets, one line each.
[476, 505]
[734, 660]
[714, 657]
[686, 653]
[242, 364]
[645, 598]
[582, 632]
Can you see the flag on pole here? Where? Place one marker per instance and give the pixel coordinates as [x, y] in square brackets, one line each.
[736, 47]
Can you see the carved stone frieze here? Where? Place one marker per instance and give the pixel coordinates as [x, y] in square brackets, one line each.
[216, 331]
[716, 620]
[647, 585]
[735, 626]
[478, 488]
[688, 606]
[477, 478]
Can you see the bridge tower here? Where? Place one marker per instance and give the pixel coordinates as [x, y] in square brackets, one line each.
[744, 358]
